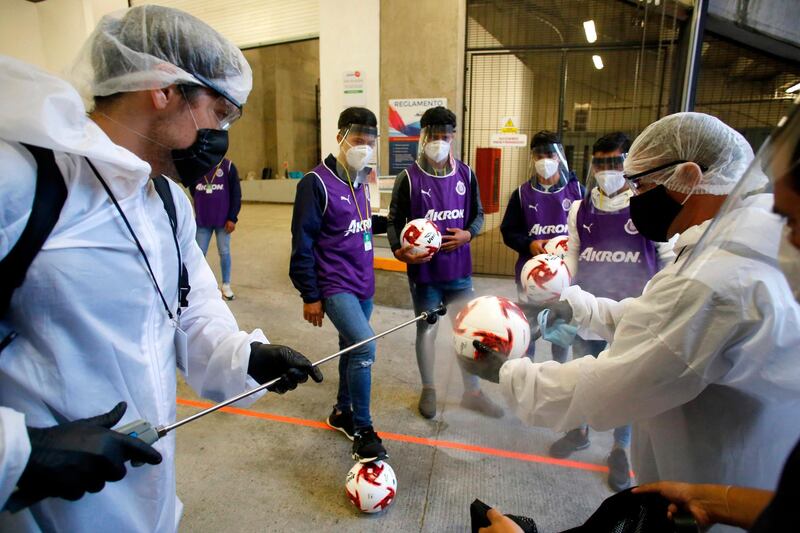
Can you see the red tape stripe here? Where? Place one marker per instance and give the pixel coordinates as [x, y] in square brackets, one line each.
[399, 437]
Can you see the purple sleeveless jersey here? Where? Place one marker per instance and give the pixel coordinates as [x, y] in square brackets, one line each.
[445, 201]
[211, 209]
[343, 265]
[545, 213]
[615, 261]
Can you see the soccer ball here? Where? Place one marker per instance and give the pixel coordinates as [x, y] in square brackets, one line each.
[371, 487]
[423, 235]
[557, 246]
[496, 322]
[544, 277]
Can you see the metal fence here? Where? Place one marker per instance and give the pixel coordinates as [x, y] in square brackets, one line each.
[530, 59]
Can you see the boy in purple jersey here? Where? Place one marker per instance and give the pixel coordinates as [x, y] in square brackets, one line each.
[217, 201]
[444, 190]
[608, 258]
[537, 210]
[332, 267]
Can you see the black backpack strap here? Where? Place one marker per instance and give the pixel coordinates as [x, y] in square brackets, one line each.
[48, 199]
[165, 193]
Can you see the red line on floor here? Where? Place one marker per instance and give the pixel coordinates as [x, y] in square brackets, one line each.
[399, 437]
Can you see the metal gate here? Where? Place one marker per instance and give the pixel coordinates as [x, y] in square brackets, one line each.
[530, 60]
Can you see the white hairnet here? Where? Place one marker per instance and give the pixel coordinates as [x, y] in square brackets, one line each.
[694, 137]
[151, 47]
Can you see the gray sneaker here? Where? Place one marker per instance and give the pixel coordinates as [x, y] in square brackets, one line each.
[619, 477]
[427, 402]
[482, 404]
[572, 441]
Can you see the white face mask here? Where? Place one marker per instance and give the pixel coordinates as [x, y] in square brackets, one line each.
[546, 168]
[610, 181]
[437, 151]
[358, 156]
[609, 204]
[789, 262]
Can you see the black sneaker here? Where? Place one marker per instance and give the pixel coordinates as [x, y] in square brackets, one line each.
[619, 475]
[341, 421]
[573, 441]
[368, 447]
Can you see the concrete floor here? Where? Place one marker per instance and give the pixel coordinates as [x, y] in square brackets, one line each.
[251, 472]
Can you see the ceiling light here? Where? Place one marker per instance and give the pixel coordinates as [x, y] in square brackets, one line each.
[598, 62]
[794, 88]
[591, 33]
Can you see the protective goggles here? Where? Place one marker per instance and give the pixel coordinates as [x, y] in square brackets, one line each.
[226, 110]
[634, 178]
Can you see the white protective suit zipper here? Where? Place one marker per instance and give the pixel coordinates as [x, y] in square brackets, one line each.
[155, 310]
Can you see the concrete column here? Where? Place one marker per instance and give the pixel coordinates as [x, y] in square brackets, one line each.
[349, 40]
[422, 56]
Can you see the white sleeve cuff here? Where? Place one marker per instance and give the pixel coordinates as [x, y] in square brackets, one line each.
[15, 449]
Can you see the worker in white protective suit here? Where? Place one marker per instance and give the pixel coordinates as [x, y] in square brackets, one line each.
[98, 319]
[704, 362]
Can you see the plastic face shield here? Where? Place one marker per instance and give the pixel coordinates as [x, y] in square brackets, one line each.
[777, 164]
[555, 170]
[358, 135]
[439, 143]
[606, 186]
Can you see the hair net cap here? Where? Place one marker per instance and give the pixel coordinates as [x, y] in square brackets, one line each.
[694, 137]
[151, 47]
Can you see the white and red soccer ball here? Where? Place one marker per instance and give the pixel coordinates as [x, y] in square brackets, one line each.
[422, 235]
[557, 246]
[371, 487]
[544, 277]
[494, 321]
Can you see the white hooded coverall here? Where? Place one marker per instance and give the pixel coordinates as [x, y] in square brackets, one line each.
[92, 328]
[706, 364]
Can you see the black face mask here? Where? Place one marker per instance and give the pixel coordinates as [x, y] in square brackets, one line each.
[652, 213]
[205, 153]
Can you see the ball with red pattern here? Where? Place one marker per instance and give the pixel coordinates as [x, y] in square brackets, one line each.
[495, 321]
[557, 246]
[544, 277]
[422, 235]
[371, 487]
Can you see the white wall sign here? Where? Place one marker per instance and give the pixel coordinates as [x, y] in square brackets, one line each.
[508, 140]
[353, 89]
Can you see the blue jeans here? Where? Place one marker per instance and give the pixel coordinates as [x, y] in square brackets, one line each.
[203, 238]
[581, 347]
[351, 318]
[454, 294]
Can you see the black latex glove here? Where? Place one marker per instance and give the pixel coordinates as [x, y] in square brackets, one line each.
[72, 459]
[487, 365]
[559, 310]
[531, 310]
[270, 361]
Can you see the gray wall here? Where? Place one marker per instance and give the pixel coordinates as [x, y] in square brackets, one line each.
[280, 119]
[422, 56]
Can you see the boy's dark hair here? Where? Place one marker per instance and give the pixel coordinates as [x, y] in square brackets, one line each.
[544, 138]
[438, 116]
[357, 115]
[612, 142]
